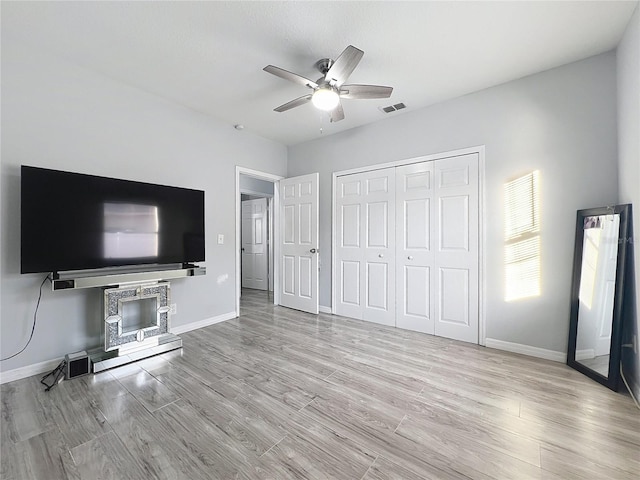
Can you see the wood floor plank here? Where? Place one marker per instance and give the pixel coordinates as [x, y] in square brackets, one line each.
[146, 388]
[374, 433]
[467, 451]
[23, 416]
[442, 421]
[576, 467]
[106, 458]
[399, 387]
[99, 387]
[152, 447]
[283, 388]
[320, 455]
[558, 413]
[383, 469]
[72, 408]
[42, 456]
[79, 420]
[579, 438]
[231, 417]
[440, 388]
[219, 455]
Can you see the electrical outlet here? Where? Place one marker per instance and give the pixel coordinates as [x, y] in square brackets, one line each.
[174, 309]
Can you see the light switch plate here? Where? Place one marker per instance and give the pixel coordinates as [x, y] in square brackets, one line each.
[220, 239]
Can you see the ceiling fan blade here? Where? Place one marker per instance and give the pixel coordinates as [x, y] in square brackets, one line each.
[293, 103]
[337, 114]
[344, 65]
[292, 77]
[365, 91]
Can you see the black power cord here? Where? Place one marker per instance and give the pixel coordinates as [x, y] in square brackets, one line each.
[56, 375]
[35, 316]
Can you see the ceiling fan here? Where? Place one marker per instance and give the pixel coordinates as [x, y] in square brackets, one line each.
[330, 88]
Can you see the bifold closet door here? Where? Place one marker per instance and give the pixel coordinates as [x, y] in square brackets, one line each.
[407, 247]
[456, 200]
[415, 273]
[365, 250]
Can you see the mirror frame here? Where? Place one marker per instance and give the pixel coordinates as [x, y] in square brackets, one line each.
[613, 379]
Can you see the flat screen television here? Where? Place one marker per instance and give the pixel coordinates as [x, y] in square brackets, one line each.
[72, 221]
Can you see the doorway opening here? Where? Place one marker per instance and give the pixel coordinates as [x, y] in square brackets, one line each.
[256, 233]
[256, 227]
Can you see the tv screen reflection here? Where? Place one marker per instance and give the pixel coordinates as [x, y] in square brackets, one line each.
[130, 230]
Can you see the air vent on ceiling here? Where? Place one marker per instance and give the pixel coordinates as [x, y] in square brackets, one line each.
[393, 108]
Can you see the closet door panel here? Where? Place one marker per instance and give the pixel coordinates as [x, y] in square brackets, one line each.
[456, 250]
[378, 275]
[414, 252]
[365, 249]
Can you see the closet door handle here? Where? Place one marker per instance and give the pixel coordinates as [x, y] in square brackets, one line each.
[410, 257]
[381, 255]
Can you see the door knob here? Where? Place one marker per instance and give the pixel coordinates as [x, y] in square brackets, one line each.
[381, 255]
[313, 250]
[410, 257]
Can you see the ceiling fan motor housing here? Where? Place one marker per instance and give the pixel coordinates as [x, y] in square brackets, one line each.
[323, 65]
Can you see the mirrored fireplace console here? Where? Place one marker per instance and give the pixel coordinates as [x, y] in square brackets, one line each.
[137, 309]
[136, 325]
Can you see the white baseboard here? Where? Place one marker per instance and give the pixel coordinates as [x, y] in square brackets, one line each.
[29, 370]
[324, 309]
[587, 354]
[49, 365]
[526, 350]
[203, 323]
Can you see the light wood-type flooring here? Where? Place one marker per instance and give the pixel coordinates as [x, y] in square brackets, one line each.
[279, 394]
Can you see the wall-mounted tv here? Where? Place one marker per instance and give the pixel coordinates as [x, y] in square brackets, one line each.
[73, 221]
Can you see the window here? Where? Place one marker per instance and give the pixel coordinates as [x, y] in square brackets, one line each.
[522, 237]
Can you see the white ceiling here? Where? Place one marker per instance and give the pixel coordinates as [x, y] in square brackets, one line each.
[209, 55]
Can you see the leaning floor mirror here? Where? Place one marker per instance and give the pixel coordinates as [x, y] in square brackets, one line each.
[596, 295]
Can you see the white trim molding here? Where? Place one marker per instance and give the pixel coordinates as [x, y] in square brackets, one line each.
[586, 354]
[203, 323]
[324, 309]
[29, 370]
[526, 350]
[244, 191]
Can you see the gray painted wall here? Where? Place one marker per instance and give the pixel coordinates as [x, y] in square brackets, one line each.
[628, 56]
[62, 116]
[561, 122]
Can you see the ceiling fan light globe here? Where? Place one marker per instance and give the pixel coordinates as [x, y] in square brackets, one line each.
[325, 98]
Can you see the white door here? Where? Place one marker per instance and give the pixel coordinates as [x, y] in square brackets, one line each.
[365, 251]
[455, 232]
[298, 255]
[254, 244]
[415, 273]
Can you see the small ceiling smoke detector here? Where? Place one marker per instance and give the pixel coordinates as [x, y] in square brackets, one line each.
[393, 108]
[239, 126]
